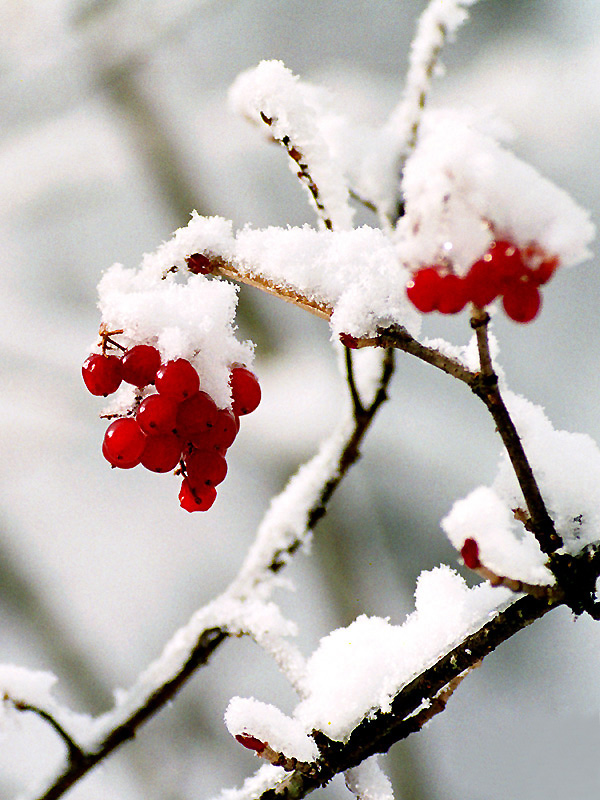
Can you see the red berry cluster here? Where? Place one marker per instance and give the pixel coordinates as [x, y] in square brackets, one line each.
[177, 427]
[504, 271]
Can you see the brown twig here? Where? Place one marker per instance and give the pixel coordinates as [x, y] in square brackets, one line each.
[75, 753]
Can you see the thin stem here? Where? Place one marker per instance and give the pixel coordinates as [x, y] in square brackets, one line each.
[359, 409]
[75, 753]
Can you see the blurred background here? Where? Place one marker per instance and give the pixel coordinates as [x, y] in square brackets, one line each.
[115, 126]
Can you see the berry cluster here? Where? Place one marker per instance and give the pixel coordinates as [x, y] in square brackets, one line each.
[177, 427]
[504, 271]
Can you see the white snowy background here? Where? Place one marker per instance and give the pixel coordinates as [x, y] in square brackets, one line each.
[115, 125]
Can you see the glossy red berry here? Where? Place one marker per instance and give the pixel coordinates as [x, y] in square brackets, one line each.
[195, 415]
[483, 285]
[423, 290]
[124, 443]
[544, 271]
[222, 434]
[453, 295]
[177, 379]
[195, 498]
[470, 554]
[205, 467]
[505, 262]
[161, 453]
[522, 301]
[139, 364]
[157, 414]
[245, 391]
[101, 374]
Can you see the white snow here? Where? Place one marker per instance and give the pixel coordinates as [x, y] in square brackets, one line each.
[297, 111]
[358, 669]
[368, 781]
[270, 725]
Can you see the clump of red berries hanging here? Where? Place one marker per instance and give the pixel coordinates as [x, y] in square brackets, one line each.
[505, 271]
[173, 425]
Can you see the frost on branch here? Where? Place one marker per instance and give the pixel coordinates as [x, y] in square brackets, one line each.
[297, 116]
[567, 469]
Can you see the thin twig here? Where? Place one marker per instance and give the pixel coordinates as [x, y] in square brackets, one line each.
[359, 408]
[75, 753]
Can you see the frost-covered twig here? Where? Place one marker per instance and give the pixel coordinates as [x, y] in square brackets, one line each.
[437, 24]
[74, 753]
[417, 702]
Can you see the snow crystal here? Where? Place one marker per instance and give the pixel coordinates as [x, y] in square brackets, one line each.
[296, 111]
[270, 725]
[460, 183]
[368, 781]
[362, 667]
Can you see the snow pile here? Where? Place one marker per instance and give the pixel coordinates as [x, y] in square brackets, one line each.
[567, 469]
[462, 189]
[193, 320]
[359, 669]
[368, 781]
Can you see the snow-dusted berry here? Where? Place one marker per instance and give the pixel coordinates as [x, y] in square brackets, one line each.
[177, 379]
[101, 374]
[124, 443]
[139, 364]
[245, 390]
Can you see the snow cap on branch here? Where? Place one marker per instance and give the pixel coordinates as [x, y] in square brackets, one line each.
[359, 669]
[462, 190]
[297, 115]
[267, 724]
[194, 319]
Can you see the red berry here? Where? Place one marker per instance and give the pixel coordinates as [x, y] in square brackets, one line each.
[101, 374]
[251, 742]
[157, 414]
[177, 379]
[161, 453]
[245, 391]
[205, 468]
[199, 264]
[544, 271]
[470, 554]
[196, 498]
[453, 294]
[505, 262]
[222, 434]
[124, 443]
[424, 289]
[195, 415]
[483, 286]
[139, 364]
[522, 301]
